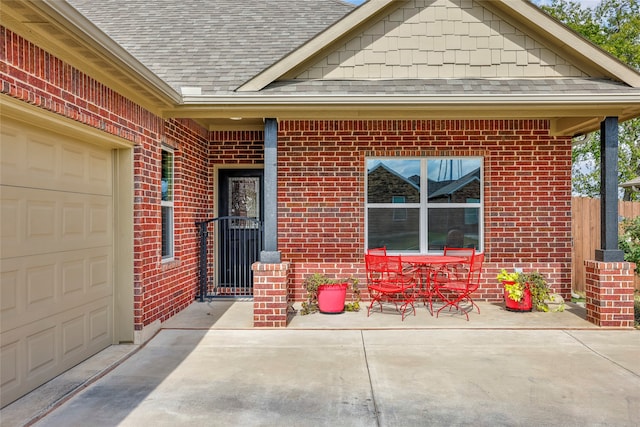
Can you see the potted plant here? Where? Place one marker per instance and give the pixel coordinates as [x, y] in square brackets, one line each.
[329, 295]
[525, 291]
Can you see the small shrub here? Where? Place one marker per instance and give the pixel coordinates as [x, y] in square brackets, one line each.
[629, 241]
[516, 282]
[311, 284]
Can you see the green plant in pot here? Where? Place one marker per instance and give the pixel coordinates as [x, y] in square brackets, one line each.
[317, 284]
[525, 291]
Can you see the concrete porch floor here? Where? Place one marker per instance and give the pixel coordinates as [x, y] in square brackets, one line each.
[235, 315]
[229, 314]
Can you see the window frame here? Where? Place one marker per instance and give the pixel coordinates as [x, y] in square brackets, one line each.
[167, 205]
[424, 204]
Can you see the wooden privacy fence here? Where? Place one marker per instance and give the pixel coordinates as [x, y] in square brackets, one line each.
[586, 233]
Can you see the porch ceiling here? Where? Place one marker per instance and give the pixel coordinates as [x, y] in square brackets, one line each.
[573, 105]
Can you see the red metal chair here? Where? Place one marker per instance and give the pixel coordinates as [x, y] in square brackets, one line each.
[458, 271]
[389, 282]
[377, 251]
[456, 287]
[459, 252]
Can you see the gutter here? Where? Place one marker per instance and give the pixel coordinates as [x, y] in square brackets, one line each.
[451, 99]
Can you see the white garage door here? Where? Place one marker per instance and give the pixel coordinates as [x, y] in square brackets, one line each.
[56, 255]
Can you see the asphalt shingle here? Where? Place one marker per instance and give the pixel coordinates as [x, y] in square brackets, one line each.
[214, 44]
[218, 45]
[447, 86]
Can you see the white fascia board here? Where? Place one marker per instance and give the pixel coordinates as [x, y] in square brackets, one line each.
[589, 51]
[455, 99]
[85, 29]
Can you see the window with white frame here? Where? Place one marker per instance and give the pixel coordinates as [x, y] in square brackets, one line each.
[422, 205]
[167, 204]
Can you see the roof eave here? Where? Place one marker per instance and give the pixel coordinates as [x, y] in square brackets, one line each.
[59, 28]
[568, 114]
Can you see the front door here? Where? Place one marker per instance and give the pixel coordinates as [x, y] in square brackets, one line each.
[240, 235]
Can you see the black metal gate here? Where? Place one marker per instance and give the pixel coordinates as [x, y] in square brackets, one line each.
[226, 272]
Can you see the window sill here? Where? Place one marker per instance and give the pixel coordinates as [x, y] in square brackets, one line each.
[169, 263]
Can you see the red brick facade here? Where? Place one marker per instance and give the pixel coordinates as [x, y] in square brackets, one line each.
[160, 289]
[321, 166]
[610, 293]
[527, 191]
[271, 300]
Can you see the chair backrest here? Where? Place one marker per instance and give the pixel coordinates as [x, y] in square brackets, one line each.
[376, 266]
[460, 252]
[467, 274]
[475, 270]
[460, 271]
[377, 251]
[387, 268]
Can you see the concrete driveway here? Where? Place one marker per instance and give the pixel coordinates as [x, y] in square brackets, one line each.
[404, 376]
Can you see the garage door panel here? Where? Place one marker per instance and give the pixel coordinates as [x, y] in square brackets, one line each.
[36, 352]
[56, 243]
[99, 172]
[99, 277]
[41, 285]
[41, 157]
[11, 154]
[41, 290]
[9, 280]
[11, 376]
[11, 219]
[73, 335]
[73, 276]
[41, 351]
[42, 221]
[99, 325]
[34, 158]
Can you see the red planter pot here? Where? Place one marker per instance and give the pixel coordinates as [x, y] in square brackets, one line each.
[331, 298]
[523, 305]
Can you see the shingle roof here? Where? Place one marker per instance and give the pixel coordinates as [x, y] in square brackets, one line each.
[218, 45]
[448, 86]
[213, 44]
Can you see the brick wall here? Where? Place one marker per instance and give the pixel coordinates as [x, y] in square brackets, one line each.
[527, 196]
[609, 293]
[321, 177]
[160, 289]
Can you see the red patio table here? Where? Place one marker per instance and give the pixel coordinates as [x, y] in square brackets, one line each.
[428, 264]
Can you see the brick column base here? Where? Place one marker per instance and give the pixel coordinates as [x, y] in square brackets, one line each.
[609, 287]
[270, 295]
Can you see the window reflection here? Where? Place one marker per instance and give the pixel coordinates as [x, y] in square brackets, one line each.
[446, 211]
[389, 181]
[454, 227]
[453, 180]
[167, 176]
[386, 230]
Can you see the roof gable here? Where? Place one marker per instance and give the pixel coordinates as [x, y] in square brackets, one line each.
[426, 39]
[441, 39]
